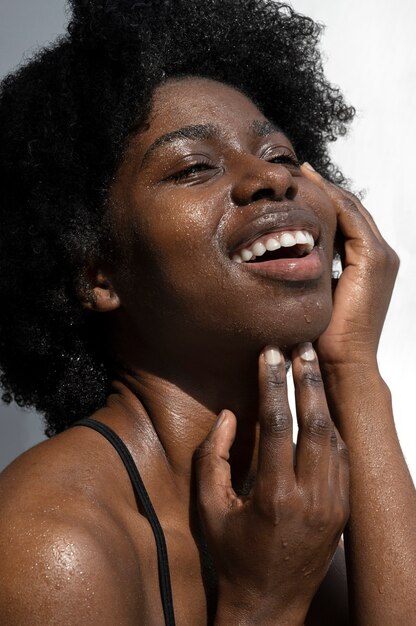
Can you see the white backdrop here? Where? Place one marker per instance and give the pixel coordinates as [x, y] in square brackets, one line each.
[370, 53]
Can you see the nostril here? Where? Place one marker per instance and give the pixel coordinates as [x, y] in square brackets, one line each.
[291, 193]
[263, 193]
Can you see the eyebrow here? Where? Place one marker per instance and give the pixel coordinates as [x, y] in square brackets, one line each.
[260, 128]
[200, 131]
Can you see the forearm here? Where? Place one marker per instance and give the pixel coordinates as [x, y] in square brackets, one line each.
[380, 537]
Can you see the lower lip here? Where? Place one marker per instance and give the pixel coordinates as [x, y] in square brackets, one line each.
[305, 268]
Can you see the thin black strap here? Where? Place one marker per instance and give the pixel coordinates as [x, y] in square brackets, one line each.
[136, 479]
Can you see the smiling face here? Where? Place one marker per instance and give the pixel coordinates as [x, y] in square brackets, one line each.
[207, 185]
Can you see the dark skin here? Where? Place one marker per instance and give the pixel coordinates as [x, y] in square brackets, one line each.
[188, 324]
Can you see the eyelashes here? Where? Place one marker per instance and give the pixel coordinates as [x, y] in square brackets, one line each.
[192, 169]
[284, 156]
[285, 159]
[205, 165]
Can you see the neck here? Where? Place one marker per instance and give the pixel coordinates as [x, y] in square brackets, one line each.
[173, 413]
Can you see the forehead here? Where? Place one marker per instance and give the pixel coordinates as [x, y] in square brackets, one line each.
[198, 101]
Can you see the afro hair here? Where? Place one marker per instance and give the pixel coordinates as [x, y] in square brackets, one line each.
[66, 117]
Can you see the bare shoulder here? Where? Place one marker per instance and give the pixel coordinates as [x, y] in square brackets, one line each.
[65, 557]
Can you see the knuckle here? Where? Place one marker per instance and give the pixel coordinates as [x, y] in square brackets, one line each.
[272, 506]
[327, 518]
[278, 424]
[319, 425]
[276, 381]
[312, 378]
[379, 254]
[384, 256]
[319, 517]
[268, 509]
[349, 202]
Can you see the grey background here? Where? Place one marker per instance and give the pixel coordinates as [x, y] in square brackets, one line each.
[370, 52]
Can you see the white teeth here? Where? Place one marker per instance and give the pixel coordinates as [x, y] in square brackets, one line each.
[246, 255]
[287, 240]
[310, 243]
[272, 244]
[258, 249]
[301, 237]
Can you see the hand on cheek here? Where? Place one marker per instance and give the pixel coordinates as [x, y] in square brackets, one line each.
[363, 293]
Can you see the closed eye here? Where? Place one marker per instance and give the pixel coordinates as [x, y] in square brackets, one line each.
[281, 155]
[191, 170]
[285, 159]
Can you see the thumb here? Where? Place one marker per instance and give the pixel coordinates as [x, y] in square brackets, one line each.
[213, 472]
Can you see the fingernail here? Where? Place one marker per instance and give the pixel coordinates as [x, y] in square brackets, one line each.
[306, 352]
[273, 356]
[308, 166]
[221, 420]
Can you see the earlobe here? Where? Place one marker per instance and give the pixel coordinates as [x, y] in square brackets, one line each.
[100, 295]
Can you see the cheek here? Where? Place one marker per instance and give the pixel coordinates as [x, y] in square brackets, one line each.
[167, 245]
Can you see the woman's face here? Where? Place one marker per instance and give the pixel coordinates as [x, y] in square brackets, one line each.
[207, 182]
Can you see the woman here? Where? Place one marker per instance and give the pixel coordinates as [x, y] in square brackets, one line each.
[152, 174]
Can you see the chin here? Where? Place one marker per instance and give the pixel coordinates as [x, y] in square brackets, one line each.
[301, 324]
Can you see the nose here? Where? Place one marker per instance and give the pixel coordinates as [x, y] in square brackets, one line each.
[258, 179]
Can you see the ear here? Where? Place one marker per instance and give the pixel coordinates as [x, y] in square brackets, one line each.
[98, 294]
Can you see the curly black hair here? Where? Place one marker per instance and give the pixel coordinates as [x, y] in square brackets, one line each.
[66, 118]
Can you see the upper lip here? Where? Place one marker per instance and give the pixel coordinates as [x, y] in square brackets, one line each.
[274, 220]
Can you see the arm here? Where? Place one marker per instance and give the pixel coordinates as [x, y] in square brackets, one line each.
[380, 538]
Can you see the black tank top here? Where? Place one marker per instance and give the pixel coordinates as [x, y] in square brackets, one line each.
[143, 496]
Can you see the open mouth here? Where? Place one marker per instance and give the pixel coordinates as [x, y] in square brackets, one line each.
[276, 246]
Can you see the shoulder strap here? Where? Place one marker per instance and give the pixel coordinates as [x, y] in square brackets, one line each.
[136, 479]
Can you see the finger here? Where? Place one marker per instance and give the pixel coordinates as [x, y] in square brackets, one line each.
[275, 472]
[313, 450]
[213, 472]
[353, 219]
[362, 209]
[362, 237]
